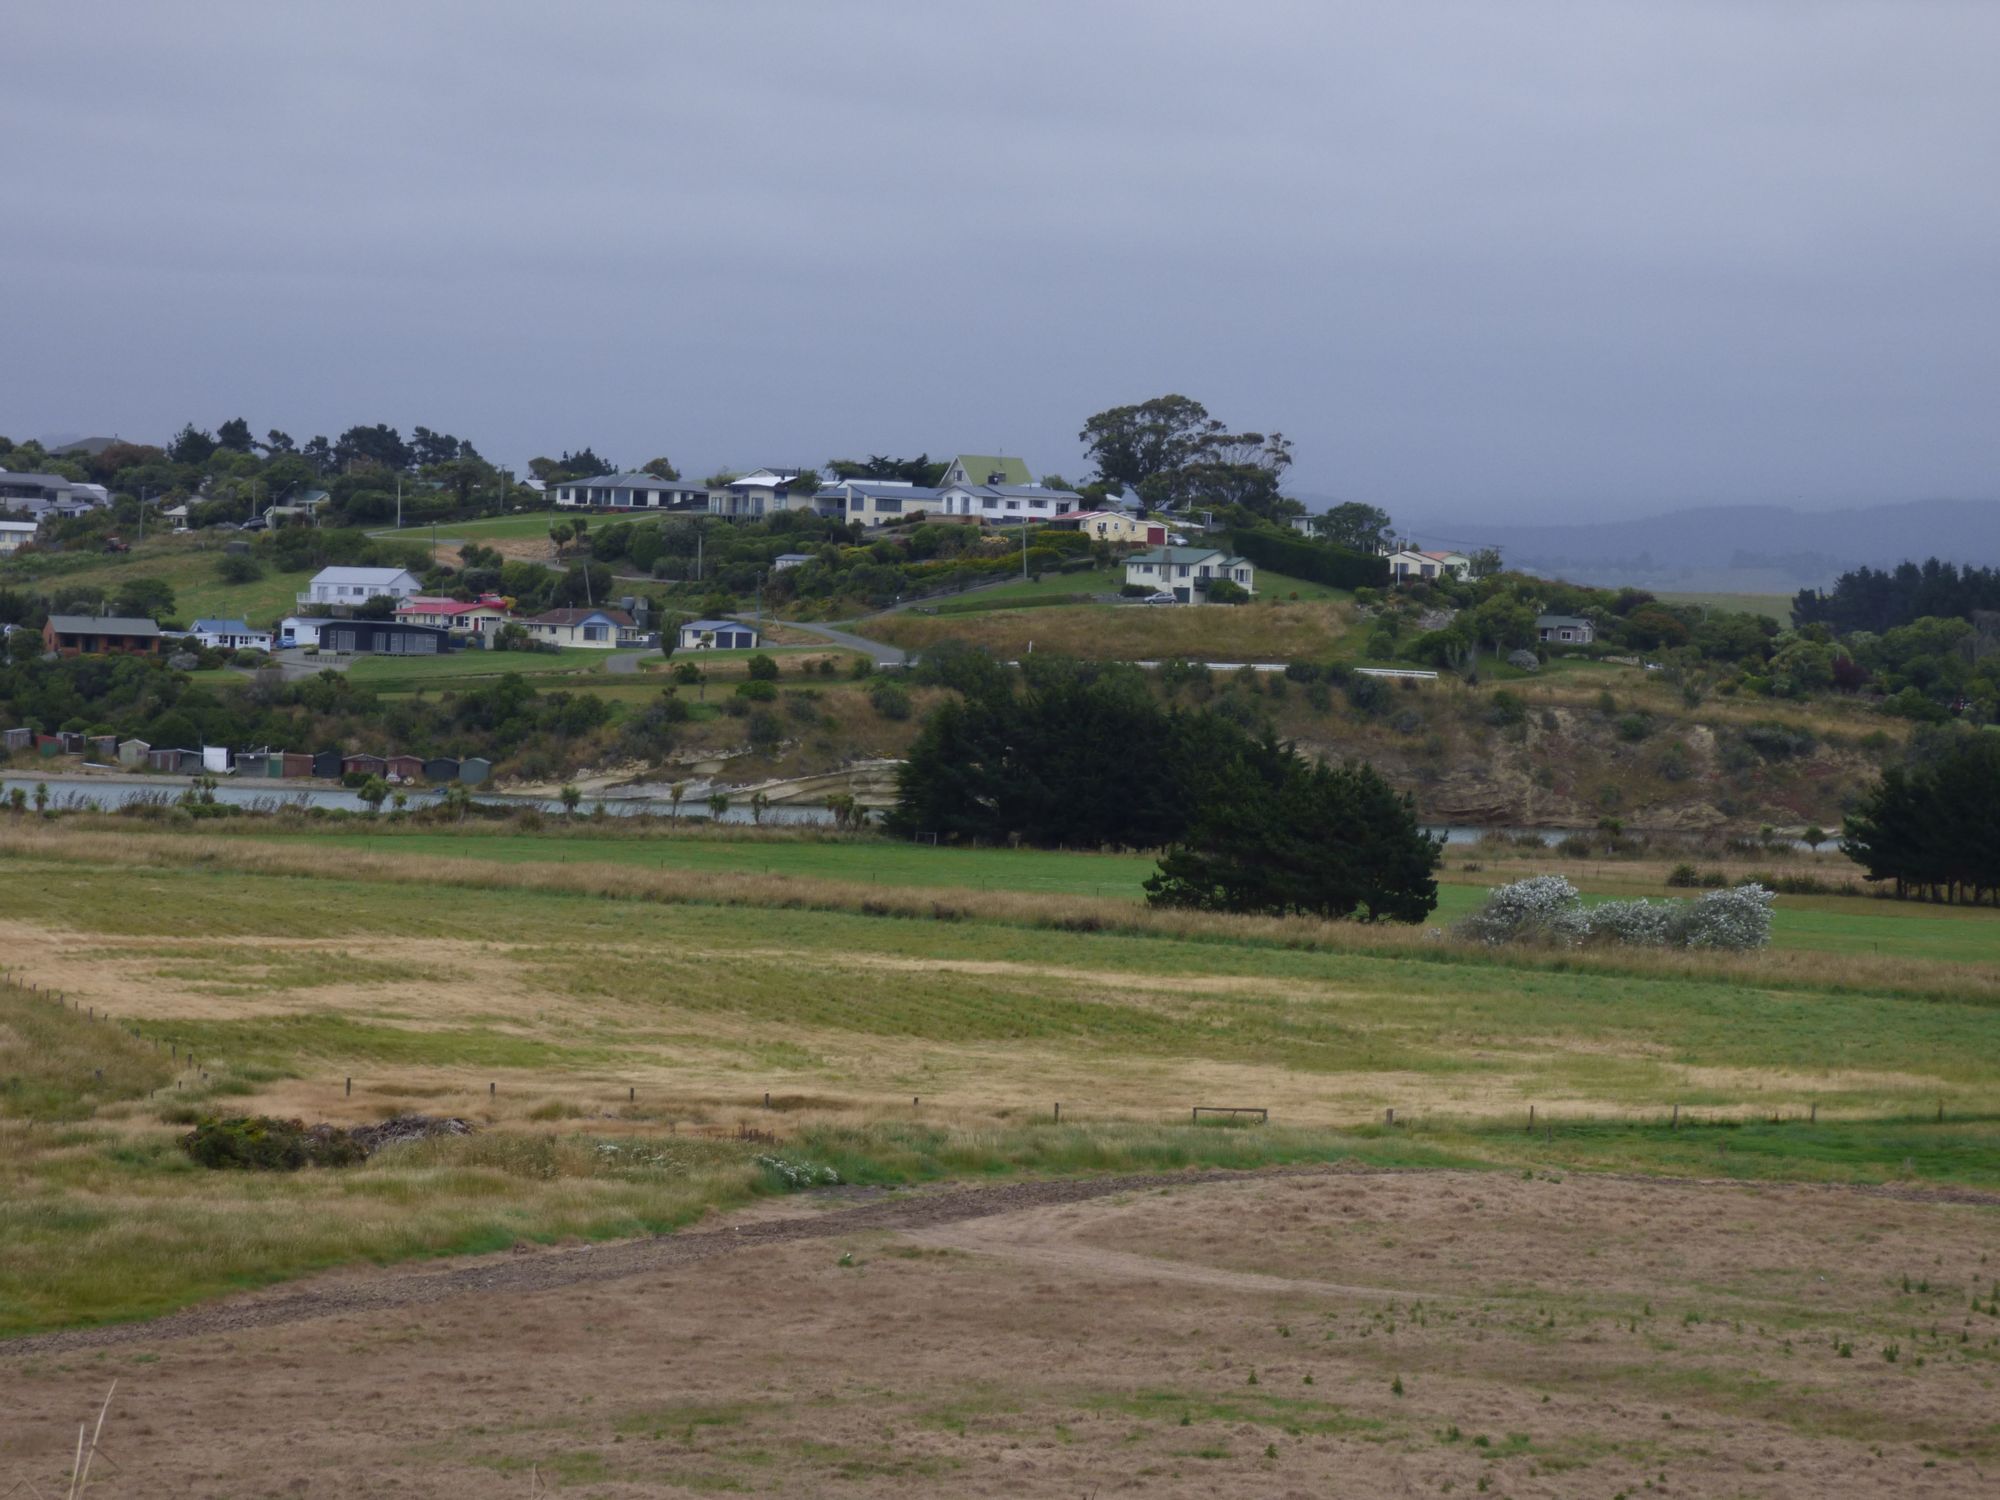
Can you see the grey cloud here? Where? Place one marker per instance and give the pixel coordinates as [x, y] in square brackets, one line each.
[1474, 258]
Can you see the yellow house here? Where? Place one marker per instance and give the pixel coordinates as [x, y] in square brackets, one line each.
[1117, 528]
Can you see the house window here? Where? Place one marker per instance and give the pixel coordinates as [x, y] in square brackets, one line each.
[991, 504]
[1013, 505]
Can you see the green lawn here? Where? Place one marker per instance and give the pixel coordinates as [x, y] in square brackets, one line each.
[405, 673]
[527, 524]
[190, 565]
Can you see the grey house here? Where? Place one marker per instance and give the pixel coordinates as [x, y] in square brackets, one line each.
[1565, 630]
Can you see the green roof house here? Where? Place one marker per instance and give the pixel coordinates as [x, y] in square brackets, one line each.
[982, 468]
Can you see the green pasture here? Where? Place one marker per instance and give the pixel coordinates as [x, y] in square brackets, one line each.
[1775, 606]
[1831, 924]
[425, 991]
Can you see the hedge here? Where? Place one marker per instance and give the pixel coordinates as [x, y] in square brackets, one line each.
[1317, 562]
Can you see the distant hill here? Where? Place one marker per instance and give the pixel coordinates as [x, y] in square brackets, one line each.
[1746, 549]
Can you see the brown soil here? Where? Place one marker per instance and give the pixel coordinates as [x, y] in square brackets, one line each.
[1173, 1336]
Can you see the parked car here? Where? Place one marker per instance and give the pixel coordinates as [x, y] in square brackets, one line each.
[1161, 596]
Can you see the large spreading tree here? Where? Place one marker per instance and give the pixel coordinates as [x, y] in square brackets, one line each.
[1173, 453]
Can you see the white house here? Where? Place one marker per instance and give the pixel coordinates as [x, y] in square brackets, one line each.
[982, 468]
[300, 630]
[1565, 630]
[787, 560]
[14, 535]
[352, 586]
[1007, 503]
[1410, 566]
[1187, 572]
[762, 492]
[876, 502]
[230, 635]
[717, 635]
[634, 490]
[598, 629]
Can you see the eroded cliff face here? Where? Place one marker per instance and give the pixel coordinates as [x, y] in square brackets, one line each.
[1569, 767]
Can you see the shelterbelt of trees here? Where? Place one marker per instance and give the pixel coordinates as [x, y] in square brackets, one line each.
[1061, 752]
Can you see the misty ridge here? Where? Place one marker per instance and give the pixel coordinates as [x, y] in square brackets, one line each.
[1751, 549]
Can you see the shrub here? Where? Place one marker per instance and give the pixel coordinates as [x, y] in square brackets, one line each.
[260, 1143]
[1227, 591]
[889, 699]
[1641, 923]
[1547, 909]
[1506, 709]
[1778, 741]
[762, 668]
[1634, 727]
[1684, 876]
[757, 690]
[764, 729]
[1542, 908]
[1736, 919]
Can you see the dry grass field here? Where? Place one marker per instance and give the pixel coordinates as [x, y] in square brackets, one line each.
[650, 1043]
[1266, 631]
[1347, 1332]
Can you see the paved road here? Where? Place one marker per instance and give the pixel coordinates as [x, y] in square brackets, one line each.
[882, 655]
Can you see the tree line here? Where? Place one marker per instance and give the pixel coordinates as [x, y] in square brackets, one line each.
[1081, 754]
[1878, 600]
[1934, 828]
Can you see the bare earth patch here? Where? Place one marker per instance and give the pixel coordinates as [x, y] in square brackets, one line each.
[1350, 1333]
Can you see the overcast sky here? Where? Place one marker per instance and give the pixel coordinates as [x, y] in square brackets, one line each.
[1475, 258]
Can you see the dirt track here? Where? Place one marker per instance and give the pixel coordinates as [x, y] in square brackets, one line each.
[888, 1211]
[1183, 1335]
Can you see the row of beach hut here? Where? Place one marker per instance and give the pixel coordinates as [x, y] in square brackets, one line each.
[273, 765]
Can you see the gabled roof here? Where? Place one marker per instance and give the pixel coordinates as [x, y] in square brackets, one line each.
[101, 625]
[224, 627]
[578, 616]
[363, 576]
[1558, 622]
[886, 490]
[764, 479]
[719, 625]
[630, 479]
[1015, 491]
[1187, 557]
[980, 467]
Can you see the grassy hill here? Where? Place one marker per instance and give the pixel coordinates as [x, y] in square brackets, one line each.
[191, 565]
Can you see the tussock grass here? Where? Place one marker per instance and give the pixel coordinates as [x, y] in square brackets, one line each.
[58, 1065]
[1265, 630]
[1843, 973]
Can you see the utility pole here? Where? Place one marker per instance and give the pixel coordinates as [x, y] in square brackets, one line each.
[399, 510]
[1024, 548]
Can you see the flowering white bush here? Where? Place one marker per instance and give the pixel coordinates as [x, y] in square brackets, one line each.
[1642, 923]
[1542, 908]
[1547, 909]
[799, 1174]
[1734, 919]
